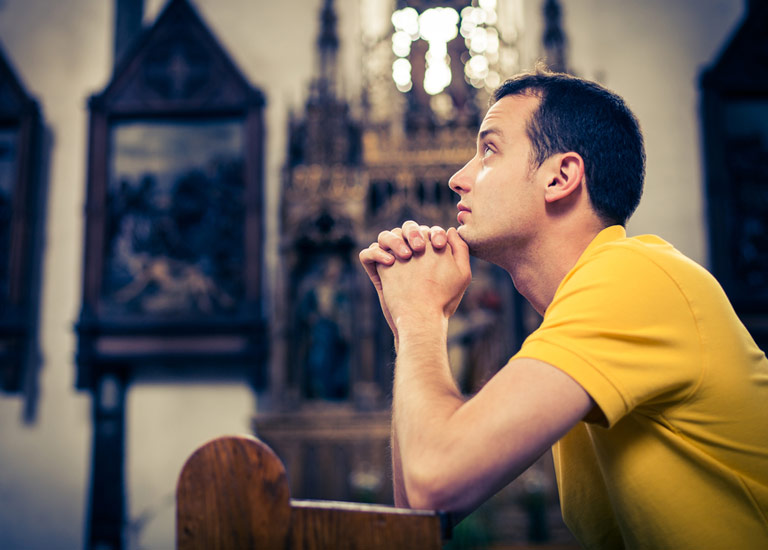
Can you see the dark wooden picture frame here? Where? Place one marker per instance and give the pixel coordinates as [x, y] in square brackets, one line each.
[22, 204]
[175, 76]
[735, 139]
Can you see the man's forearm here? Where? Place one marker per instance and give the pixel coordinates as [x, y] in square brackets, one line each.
[418, 293]
[401, 497]
[425, 397]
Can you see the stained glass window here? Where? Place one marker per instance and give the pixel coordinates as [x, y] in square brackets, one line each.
[442, 50]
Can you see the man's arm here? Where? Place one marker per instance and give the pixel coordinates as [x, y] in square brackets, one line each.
[455, 453]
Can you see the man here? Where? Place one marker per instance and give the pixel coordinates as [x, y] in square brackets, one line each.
[641, 375]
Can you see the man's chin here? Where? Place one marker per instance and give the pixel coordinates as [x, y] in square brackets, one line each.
[466, 236]
[483, 249]
[462, 231]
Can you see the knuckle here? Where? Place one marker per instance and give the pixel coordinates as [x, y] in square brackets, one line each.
[409, 227]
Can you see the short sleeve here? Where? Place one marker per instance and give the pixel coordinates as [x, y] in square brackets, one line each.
[621, 327]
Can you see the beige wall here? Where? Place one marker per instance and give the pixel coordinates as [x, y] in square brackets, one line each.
[650, 51]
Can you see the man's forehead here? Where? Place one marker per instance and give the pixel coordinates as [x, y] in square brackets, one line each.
[509, 114]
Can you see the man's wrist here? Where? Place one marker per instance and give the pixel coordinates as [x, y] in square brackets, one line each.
[413, 324]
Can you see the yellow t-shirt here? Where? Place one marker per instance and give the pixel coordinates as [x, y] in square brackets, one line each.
[683, 462]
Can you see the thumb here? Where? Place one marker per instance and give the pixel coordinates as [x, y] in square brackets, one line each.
[459, 248]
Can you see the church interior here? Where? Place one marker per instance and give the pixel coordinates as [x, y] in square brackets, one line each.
[185, 186]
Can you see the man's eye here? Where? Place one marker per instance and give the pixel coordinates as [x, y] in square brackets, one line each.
[487, 151]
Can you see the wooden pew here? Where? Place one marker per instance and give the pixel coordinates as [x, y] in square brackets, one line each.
[233, 493]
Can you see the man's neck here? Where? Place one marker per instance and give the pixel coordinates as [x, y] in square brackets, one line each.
[538, 271]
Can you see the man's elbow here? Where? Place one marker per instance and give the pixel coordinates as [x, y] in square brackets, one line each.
[430, 489]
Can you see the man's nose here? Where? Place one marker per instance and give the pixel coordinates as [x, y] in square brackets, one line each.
[461, 181]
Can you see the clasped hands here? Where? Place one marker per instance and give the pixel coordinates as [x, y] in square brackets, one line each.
[419, 272]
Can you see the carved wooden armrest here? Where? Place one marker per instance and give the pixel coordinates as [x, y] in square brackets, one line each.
[233, 493]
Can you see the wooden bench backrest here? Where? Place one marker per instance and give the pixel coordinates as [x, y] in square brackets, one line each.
[233, 493]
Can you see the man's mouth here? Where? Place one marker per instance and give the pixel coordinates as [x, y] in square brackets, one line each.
[463, 213]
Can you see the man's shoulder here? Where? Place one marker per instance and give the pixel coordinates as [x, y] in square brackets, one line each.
[624, 259]
[646, 273]
[644, 253]
[636, 274]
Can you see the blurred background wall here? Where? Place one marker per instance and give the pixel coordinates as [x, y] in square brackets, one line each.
[650, 52]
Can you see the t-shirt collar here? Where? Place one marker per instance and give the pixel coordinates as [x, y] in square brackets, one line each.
[609, 234]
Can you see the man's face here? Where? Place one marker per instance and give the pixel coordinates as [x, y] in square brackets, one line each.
[500, 200]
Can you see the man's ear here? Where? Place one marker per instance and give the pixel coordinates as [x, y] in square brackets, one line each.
[566, 174]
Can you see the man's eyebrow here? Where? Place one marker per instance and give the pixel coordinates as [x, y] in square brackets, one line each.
[485, 133]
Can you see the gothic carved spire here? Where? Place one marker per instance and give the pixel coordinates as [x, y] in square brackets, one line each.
[554, 37]
[328, 48]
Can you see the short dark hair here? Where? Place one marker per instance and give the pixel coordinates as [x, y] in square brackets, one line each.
[581, 116]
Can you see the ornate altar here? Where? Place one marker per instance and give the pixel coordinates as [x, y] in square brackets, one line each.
[326, 411]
